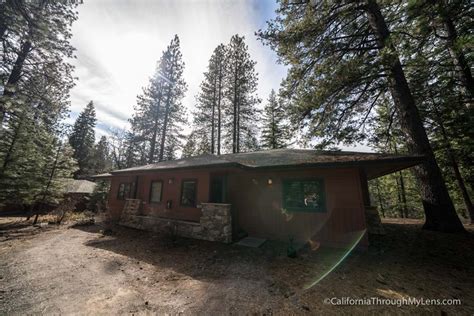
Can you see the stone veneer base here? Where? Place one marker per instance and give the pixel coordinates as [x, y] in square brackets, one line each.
[215, 223]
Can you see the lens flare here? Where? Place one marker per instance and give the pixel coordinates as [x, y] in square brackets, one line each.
[287, 215]
[313, 244]
[338, 261]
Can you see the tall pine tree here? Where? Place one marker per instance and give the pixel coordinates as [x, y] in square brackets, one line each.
[34, 36]
[209, 114]
[159, 114]
[274, 132]
[82, 140]
[240, 92]
[35, 80]
[101, 156]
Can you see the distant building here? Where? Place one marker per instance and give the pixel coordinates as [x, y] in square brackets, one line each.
[80, 191]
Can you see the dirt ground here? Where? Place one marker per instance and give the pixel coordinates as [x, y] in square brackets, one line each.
[78, 270]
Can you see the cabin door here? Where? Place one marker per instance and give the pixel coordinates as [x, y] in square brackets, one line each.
[217, 189]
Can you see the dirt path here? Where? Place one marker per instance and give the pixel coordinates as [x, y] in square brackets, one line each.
[68, 271]
[80, 271]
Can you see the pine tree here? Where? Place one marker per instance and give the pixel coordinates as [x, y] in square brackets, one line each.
[190, 147]
[450, 26]
[34, 35]
[344, 58]
[59, 164]
[118, 148]
[173, 114]
[33, 160]
[208, 117]
[274, 132]
[241, 86]
[35, 78]
[159, 114]
[82, 140]
[440, 71]
[101, 159]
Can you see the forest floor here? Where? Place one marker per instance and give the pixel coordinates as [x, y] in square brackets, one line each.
[78, 270]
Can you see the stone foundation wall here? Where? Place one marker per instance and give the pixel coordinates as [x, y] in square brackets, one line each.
[215, 223]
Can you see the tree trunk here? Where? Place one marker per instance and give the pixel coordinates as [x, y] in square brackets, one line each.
[382, 209]
[165, 126]
[238, 127]
[219, 120]
[60, 220]
[454, 165]
[48, 184]
[403, 194]
[460, 62]
[151, 155]
[36, 218]
[439, 209]
[3, 23]
[30, 211]
[213, 127]
[14, 77]
[461, 185]
[15, 74]
[9, 152]
[234, 127]
[399, 197]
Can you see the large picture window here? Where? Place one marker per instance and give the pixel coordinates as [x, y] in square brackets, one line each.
[156, 190]
[305, 195]
[123, 191]
[188, 193]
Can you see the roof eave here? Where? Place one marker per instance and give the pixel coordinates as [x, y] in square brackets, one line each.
[406, 161]
[220, 165]
[412, 160]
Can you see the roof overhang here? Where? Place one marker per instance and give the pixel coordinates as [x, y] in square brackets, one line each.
[141, 171]
[373, 168]
[376, 169]
[102, 176]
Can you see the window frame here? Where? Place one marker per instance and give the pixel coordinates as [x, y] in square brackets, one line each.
[124, 197]
[195, 192]
[320, 209]
[161, 192]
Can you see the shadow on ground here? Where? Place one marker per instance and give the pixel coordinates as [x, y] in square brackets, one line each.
[131, 271]
[393, 263]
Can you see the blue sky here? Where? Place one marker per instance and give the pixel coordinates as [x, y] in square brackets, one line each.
[118, 43]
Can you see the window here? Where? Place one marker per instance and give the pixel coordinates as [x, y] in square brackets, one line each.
[156, 190]
[304, 195]
[188, 193]
[123, 191]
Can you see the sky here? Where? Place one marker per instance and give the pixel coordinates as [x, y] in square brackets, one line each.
[119, 42]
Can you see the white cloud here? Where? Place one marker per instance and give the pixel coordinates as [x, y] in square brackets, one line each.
[119, 43]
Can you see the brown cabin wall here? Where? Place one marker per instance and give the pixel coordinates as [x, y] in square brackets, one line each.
[257, 207]
[115, 205]
[170, 192]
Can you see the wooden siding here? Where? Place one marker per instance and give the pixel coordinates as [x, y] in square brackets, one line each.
[170, 192]
[257, 206]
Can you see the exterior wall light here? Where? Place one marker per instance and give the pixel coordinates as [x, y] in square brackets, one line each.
[170, 181]
[270, 181]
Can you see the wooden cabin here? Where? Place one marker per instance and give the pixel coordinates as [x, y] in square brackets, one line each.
[306, 195]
